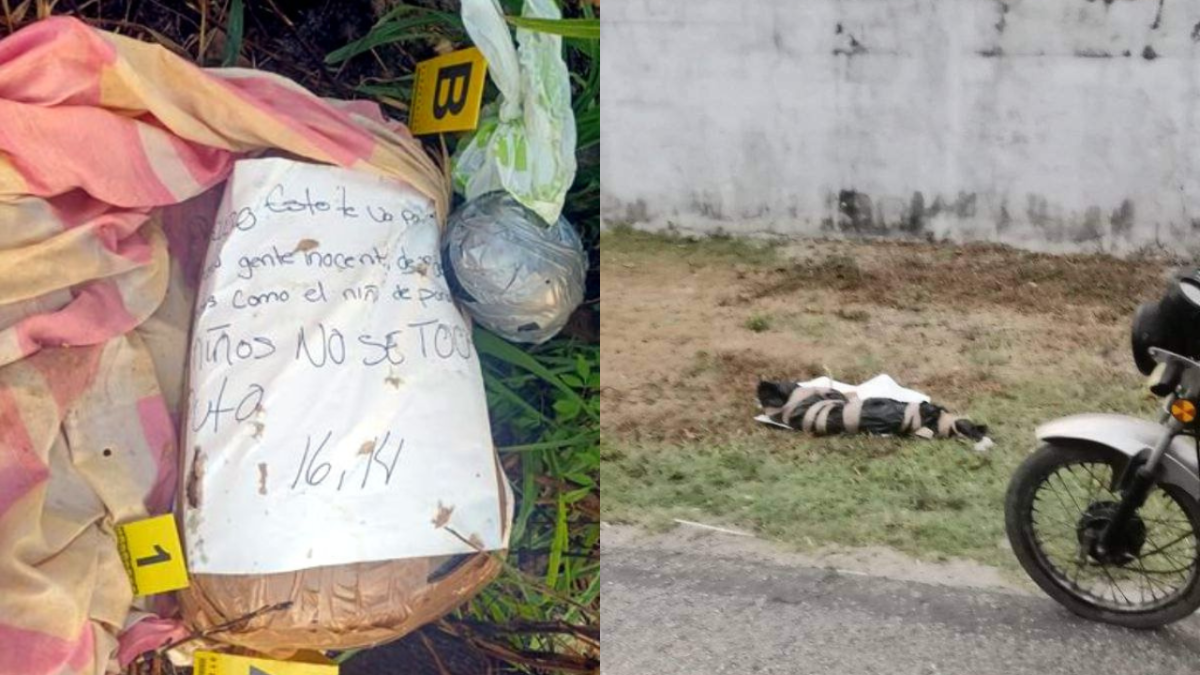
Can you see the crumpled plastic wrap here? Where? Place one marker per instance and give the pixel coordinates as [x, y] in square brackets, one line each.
[515, 275]
[526, 138]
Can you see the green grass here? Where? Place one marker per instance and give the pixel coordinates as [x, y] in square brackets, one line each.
[758, 323]
[544, 413]
[716, 248]
[931, 499]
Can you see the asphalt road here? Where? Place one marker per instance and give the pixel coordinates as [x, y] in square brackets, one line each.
[706, 603]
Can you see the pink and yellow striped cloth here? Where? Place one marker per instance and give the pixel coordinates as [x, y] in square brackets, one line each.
[110, 150]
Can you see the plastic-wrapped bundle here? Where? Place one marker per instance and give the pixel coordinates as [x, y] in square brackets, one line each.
[823, 411]
[514, 274]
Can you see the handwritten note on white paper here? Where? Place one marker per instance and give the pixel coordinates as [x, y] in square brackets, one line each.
[336, 404]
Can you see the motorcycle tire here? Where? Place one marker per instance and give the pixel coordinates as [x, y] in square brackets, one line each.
[1024, 485]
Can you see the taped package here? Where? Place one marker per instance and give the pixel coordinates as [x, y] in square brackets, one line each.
[879, 406]
[338, 454]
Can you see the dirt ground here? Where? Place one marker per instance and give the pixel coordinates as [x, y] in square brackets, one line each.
[682, 355]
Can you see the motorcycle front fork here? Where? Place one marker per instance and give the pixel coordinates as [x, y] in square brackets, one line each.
[1136, 487]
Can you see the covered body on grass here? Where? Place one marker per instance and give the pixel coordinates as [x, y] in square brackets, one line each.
[877, 407]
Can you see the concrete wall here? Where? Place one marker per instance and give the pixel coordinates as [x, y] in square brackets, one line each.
[1050, 124]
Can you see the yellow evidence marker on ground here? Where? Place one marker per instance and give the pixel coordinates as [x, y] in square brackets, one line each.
[211, 663]
[448, 92]
[152, 555]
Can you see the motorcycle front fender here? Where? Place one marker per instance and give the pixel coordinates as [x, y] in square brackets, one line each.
[1130, 436]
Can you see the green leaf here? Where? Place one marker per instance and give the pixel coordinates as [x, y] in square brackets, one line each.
[567, 409]
[588, 29]
[589, 48]
[530, 468]
[587, 128]
[581, 439]
[577, 494]
[503, 392]
[405, 23]
[491, 345]
[559, 545]
[234, 26]
[400, 88]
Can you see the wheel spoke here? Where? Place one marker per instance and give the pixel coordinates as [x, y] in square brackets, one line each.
[1176, 571]
[1057, 521]
[1142, 583]
[1167, 589]
[1150, 581]
[1099, 483]
[1175, 562]
[1172, 543]
[1070, 494]
[1058, 497]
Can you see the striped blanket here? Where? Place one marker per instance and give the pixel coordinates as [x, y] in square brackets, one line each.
[110, 150]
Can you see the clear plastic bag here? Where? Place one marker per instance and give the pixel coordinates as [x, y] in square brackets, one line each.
[526, 139]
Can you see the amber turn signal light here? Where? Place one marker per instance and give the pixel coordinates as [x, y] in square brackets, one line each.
[1183, 410]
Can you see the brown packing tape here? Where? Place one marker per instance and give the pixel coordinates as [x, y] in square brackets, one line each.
[823, 416]
[810, 417]
[798, 397]
[912, 418]
[794, 400]
[341, 606]
[852, 415]
[815, 416]
[945, 424]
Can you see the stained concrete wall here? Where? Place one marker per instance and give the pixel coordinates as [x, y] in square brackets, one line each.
[1049, 124]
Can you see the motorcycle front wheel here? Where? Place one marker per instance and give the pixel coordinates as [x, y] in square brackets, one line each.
[1059, 500]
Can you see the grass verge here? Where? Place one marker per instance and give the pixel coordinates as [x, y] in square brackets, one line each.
[678, 392]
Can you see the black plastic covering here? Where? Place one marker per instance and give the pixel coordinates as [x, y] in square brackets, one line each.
[880, 416]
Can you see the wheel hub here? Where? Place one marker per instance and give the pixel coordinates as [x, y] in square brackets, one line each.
[1124, 548]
